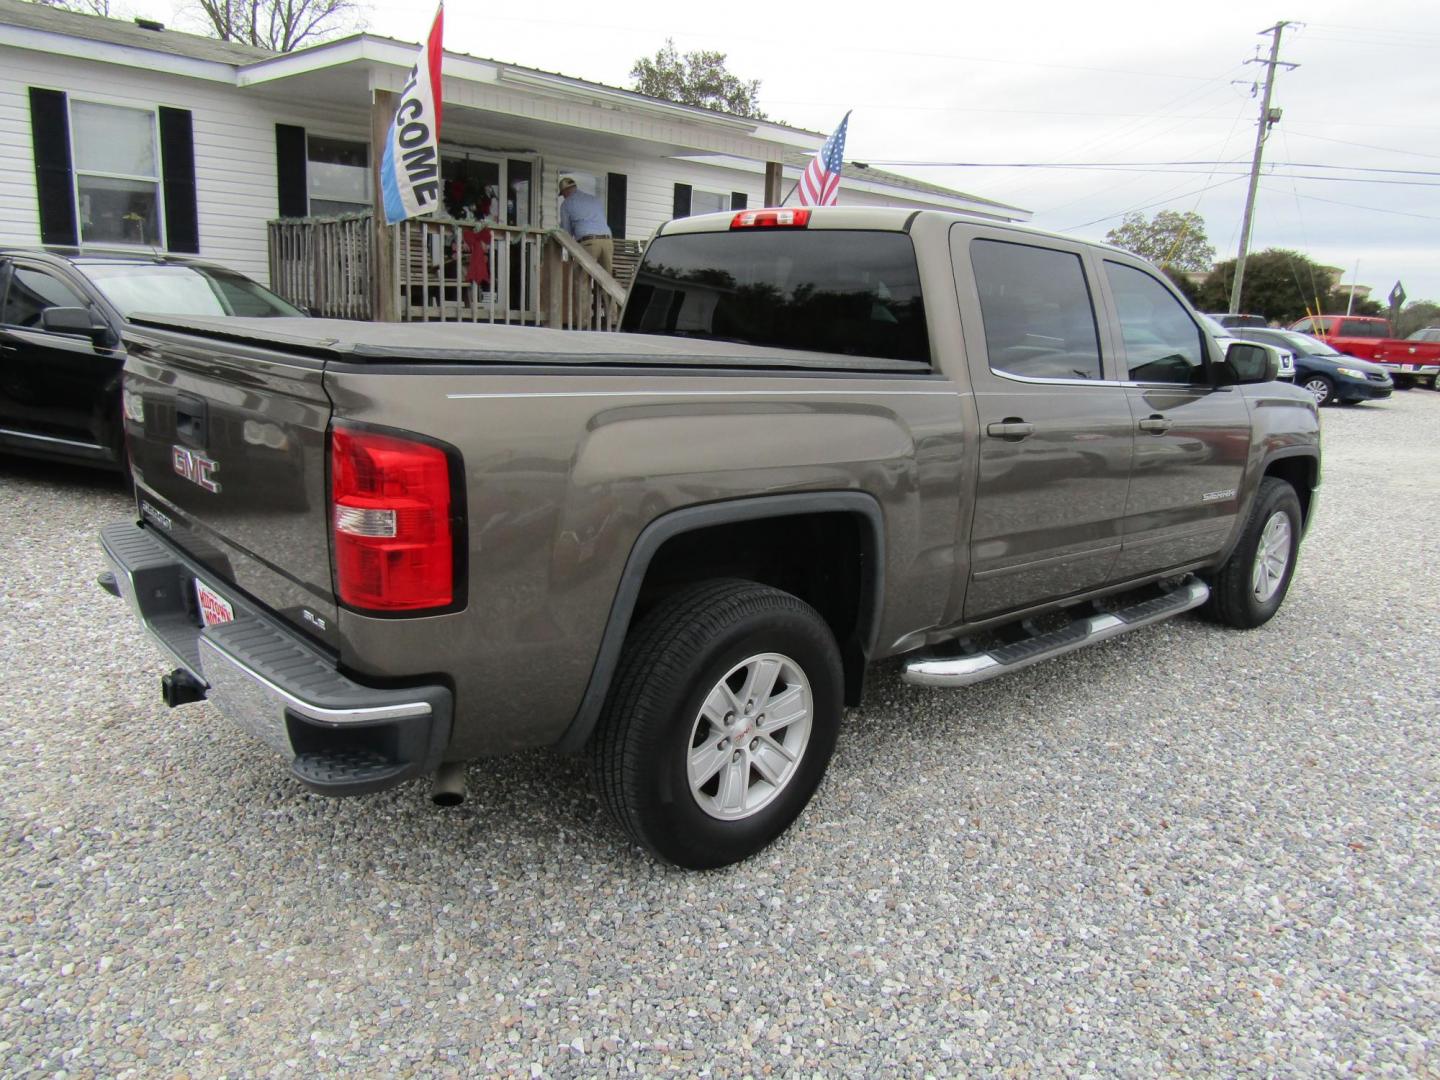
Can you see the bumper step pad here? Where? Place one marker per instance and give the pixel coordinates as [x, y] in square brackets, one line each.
[1101, 626]
[342, 737]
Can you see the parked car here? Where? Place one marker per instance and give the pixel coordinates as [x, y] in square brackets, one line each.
[1409, 360]
[1224, 318]
[62, 311]
[1327, 373]
[1224, 335]
[1430, 333]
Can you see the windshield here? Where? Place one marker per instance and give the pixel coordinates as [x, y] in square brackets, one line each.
[1304, 344]
[834, 290]
[174, 289]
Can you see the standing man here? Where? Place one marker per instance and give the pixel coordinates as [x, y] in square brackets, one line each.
[582, 215]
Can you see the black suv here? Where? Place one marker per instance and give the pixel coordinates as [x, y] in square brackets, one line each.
[61, 313]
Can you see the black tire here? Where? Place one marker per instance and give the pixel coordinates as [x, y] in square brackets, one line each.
[1321, 388]
[673, 661]
[1233, 590]
[1403, 382]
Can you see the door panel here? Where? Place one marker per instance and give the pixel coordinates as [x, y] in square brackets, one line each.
[54, 386]
[1192, 438]
[1055, 436]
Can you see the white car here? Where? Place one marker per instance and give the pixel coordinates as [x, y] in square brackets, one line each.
[1224, 338]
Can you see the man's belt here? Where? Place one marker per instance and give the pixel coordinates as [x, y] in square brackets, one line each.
[594, 236]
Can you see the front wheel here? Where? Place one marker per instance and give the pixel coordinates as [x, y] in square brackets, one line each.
[720, 722]
[1320, 388]
[1248, 589]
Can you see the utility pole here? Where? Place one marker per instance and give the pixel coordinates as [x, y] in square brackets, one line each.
[1267, 118]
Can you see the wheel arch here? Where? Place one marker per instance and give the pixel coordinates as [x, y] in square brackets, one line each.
[664, 540]
[1301, 470]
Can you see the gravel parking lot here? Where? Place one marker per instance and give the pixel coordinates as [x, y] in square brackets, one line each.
[1189, 850]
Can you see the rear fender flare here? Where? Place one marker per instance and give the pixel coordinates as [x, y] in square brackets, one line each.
[688, 519]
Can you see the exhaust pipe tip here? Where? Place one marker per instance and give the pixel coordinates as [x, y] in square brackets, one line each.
[447, 788]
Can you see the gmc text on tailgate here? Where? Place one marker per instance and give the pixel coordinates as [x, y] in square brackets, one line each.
[825, 437]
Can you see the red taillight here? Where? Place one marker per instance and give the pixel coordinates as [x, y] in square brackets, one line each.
[770, 219]
[390, 506]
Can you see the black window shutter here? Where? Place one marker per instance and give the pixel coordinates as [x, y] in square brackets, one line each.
[177, 167]
[290, 158]
[54, 181]
[615, 188]
[739, 200]
[682, 201]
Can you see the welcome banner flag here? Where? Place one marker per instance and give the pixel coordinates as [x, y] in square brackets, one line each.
[410, 169]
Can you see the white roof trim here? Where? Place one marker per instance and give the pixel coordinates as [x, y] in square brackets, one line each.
[48, 41]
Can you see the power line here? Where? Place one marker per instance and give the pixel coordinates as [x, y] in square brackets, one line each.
[1147, 206]
[1125, 165]
[1377, 209]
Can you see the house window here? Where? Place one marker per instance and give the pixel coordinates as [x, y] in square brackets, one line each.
[708, 202]
[337, 176]
[117, 174]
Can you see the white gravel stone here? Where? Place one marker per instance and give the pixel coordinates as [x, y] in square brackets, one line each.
[1187, 851]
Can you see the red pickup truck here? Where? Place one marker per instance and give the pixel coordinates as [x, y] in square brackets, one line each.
[1408, 360]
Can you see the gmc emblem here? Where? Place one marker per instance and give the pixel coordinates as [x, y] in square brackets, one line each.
[195, 467]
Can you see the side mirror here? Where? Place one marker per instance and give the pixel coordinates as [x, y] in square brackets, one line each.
[1246, 362]
[74, 320]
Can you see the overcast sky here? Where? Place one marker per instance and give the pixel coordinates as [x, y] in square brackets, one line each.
[1046, 82]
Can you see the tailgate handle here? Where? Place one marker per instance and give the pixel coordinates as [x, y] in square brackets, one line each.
[1156, 425]
[1011, 429]
[190, 420]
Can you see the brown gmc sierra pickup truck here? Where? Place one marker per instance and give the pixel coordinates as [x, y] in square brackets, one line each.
[824, 437]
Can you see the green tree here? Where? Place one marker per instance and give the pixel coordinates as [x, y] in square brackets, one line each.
[1181, 281]
[1417, 315]
[1280, 284]
[697, 78]
[1170, 238]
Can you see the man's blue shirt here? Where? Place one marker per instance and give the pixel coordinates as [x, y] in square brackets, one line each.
[582, 214]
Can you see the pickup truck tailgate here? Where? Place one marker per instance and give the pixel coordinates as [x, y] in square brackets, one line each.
[228, 448]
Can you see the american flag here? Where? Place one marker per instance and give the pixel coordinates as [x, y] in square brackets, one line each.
[820, 182]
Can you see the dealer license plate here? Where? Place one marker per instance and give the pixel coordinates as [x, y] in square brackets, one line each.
[214, 608]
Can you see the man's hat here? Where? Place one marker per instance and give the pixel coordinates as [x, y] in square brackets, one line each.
[566, 183]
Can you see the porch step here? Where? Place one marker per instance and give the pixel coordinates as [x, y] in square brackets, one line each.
[977, 667]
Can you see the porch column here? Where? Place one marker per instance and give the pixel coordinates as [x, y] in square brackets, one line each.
[774, 177]
[382, 266]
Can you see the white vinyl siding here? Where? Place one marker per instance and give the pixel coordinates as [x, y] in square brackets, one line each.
[234, 135]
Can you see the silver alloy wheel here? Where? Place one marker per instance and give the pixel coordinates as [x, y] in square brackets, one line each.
[1319, 390]
[1272, 556]
[747, 741]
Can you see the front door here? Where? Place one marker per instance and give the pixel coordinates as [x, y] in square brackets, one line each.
[1055, 435]
[1192, 438]
[59, 390]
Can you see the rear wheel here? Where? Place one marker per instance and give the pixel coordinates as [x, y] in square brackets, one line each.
[1249, 588]
[720, 723]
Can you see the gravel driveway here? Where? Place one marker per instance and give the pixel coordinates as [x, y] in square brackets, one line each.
[1189, 850]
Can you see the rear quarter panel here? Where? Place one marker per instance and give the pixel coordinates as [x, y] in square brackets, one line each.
[564, 470]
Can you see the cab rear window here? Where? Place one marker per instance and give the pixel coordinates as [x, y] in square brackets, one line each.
[848, 292]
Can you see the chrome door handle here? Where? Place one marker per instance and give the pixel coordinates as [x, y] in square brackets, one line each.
[1156, 425]
[1012, 429]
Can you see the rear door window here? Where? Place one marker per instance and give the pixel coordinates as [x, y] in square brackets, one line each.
[1036, 309]
[849, 292]
[1163, 344]
[1363, 328]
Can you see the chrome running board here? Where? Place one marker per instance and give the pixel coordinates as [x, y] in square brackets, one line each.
[977, 667]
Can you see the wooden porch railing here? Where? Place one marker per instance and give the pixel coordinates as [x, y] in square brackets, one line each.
[441, 270]
[323, 264]
[582, 296]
